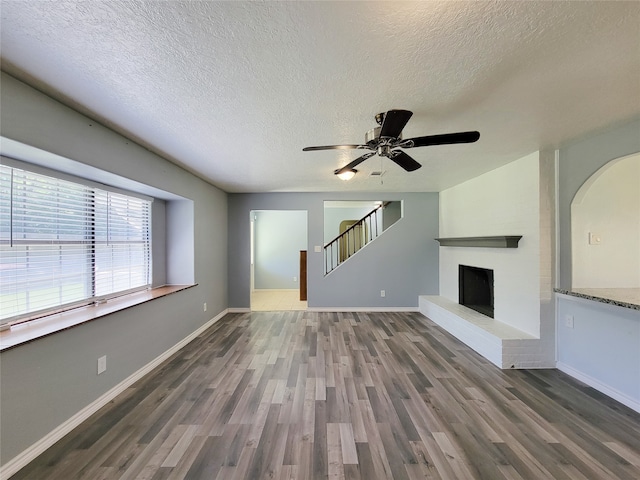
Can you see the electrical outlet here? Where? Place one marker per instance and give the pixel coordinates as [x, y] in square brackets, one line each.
[102, 364]
[295, 279]
[204, 307]
[382, 293]
[568, 321]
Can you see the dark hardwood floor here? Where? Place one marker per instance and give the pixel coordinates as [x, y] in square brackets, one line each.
[307, 395]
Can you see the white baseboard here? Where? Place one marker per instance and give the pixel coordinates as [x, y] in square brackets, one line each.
[29, 454]
[340, 309]
[363, 309]
[632, 403]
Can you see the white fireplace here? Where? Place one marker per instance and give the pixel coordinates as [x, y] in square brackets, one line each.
[505, 201]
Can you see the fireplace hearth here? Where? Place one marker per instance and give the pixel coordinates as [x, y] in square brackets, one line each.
[475, 289]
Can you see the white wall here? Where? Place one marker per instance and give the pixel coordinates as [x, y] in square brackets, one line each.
[608, 204]
[505, 201]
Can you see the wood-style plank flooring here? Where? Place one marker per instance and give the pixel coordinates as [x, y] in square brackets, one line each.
[308, 395]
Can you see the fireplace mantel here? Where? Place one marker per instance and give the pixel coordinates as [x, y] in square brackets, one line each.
[500, 241]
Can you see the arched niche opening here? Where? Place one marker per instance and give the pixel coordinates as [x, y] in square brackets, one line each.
[605, 231]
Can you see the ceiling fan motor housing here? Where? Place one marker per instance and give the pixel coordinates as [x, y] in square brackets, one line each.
[372, 138]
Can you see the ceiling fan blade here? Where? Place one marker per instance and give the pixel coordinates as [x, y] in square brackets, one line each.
[354, 163]
[334, 147]
[444, 139]
[404, 160]
[393, 123]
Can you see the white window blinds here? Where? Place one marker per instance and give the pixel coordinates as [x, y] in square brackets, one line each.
[63, 243]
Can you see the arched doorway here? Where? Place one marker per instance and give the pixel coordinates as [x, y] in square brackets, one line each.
[605, 230]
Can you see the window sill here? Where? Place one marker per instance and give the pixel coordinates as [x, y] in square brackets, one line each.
[29, 331]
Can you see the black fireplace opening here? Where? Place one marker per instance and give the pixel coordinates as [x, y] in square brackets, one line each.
[476, 289]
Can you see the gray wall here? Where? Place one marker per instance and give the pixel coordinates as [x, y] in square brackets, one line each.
[392, 213]
[577, 162]
[159, 242]
[403, 261]
[45, 382]
[278, 238]
[180, 247]
[602, 348]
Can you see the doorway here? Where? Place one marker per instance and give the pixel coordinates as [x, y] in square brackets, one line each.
[277, 237]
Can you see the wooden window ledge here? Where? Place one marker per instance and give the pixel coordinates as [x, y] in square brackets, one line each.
[26, 332]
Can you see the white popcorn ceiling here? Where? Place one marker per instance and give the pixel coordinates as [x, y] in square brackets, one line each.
[234, 90]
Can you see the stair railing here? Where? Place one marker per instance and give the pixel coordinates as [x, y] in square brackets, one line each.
[351, 240]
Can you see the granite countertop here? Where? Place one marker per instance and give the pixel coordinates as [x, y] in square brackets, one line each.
[622, 297]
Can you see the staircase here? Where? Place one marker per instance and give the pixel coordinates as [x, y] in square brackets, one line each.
[359, 234]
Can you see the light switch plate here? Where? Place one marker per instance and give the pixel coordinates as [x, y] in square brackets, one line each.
[102, 364]
[594, 238]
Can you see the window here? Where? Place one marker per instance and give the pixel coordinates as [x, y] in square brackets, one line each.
[64, 244]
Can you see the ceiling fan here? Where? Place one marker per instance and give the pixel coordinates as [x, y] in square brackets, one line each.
[386, 140]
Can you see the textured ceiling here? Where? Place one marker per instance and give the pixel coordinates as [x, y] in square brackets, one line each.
[234, 90]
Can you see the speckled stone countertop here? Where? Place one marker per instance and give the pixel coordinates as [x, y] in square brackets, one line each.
[622, 297]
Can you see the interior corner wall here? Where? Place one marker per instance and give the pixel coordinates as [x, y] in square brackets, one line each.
[392, 212]
[46, 382]
[504, 201]
[577, 162]
[180, 243]
[159, 242]
[403, 261]
[548, 254]
[601, 347]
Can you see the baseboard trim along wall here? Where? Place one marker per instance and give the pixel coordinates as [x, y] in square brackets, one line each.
[601, 387]
[29, 454]
[363, 309]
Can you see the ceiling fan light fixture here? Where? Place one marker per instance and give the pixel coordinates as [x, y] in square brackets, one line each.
[346, 174]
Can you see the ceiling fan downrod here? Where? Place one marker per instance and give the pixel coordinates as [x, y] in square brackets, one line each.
[384, 150]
